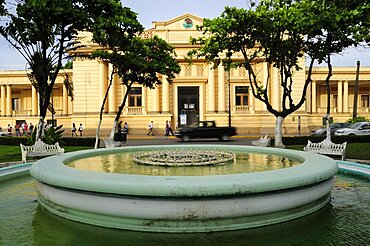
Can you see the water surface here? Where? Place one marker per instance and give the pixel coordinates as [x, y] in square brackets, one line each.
[344, 221]
[123, 163]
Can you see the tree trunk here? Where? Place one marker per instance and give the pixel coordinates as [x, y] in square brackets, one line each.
[328, 132]
[278, 132]
[97, 134]
[40, 129]
[355, 97]
[120, 109]
[115, 123]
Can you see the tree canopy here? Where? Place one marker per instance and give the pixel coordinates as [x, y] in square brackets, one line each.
[44, 31]
[135, 60]
[278, 33]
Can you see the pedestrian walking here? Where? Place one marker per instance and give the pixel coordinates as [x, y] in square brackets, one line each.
[150, 128]
[25, 128]
[166, 128]
[119, 126]
[17, 131]
[169, 129]
[80, 129]
[74, 130]
[125, 127]
[10, 128]
[31, 128]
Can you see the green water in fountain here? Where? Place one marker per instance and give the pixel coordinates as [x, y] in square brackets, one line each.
[344, 221]
[123, 163]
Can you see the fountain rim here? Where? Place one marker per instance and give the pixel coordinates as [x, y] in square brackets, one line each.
[314, 168]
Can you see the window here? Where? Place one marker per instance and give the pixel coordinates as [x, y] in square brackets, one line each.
[15, 104]
[134, 97]
[241, 95]
[335, 101]
[364, 101]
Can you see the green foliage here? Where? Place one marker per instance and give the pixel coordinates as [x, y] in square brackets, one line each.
[77, 141]
[45, 31]
[278, 33]
[135, 59]
[2, 7]
[68, 65]
[51, 135]
[266, 33]
[357, 119]
[14, 140]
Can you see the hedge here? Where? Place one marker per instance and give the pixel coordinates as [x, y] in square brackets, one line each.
[297, 140]
[65, 141]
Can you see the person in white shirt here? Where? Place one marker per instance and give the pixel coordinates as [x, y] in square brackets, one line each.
[150, 128]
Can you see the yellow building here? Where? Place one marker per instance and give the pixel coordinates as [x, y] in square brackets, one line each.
[197, 93]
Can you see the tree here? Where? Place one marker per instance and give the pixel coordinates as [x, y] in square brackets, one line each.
[2, 7]
[135, 60]
[333, 27]
[262, 34]
[43, 32]
[277, 33]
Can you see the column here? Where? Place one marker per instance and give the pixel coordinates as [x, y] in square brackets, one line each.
[340, 97]
[123, 90]
[265, 77]
[250, 100]
[3, 100]
[65, 101]
[275, 92]
[313, 96]
[345, 97]
[211, 89]
[155, 102]
[35, 102]
[8, 100]
[102, 84]
[112, 100]
[308, 103]
[221, 89]
[144, 100]
[265, 73]
[165, 95]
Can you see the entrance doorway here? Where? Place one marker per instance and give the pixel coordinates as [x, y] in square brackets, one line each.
[188, 105]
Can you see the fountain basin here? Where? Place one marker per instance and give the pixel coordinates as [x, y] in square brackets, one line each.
[184, 203]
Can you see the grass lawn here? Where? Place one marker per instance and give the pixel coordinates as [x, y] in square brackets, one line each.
[10, 153]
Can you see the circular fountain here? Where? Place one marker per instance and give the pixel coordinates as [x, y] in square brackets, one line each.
[191, 203]
[182, 157]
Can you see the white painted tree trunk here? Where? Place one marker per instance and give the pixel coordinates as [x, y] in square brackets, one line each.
[328, 133]
[97, 134]
[278, 132]
[40, 129]
[111, 136]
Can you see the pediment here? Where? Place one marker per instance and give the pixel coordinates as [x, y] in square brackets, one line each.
[182, 22]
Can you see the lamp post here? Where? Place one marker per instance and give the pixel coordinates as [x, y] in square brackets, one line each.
[228, 73]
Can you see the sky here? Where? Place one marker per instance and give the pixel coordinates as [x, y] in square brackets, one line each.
[163, 10]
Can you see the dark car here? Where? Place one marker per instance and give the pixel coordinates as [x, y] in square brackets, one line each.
[333, 128]
[205, 129]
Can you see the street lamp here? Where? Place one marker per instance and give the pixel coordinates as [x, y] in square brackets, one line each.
[228, 72]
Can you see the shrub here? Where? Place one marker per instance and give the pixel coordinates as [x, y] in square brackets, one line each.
[51, 136]
[357, 119]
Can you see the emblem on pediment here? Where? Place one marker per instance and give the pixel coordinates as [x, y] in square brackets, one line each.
[188, 23]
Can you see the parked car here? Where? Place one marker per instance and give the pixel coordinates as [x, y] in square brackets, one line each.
[205, 129]
[333, 128]
[359, 128]
[3, 134]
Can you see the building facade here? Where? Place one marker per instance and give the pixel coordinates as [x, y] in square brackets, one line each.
[199, 92]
